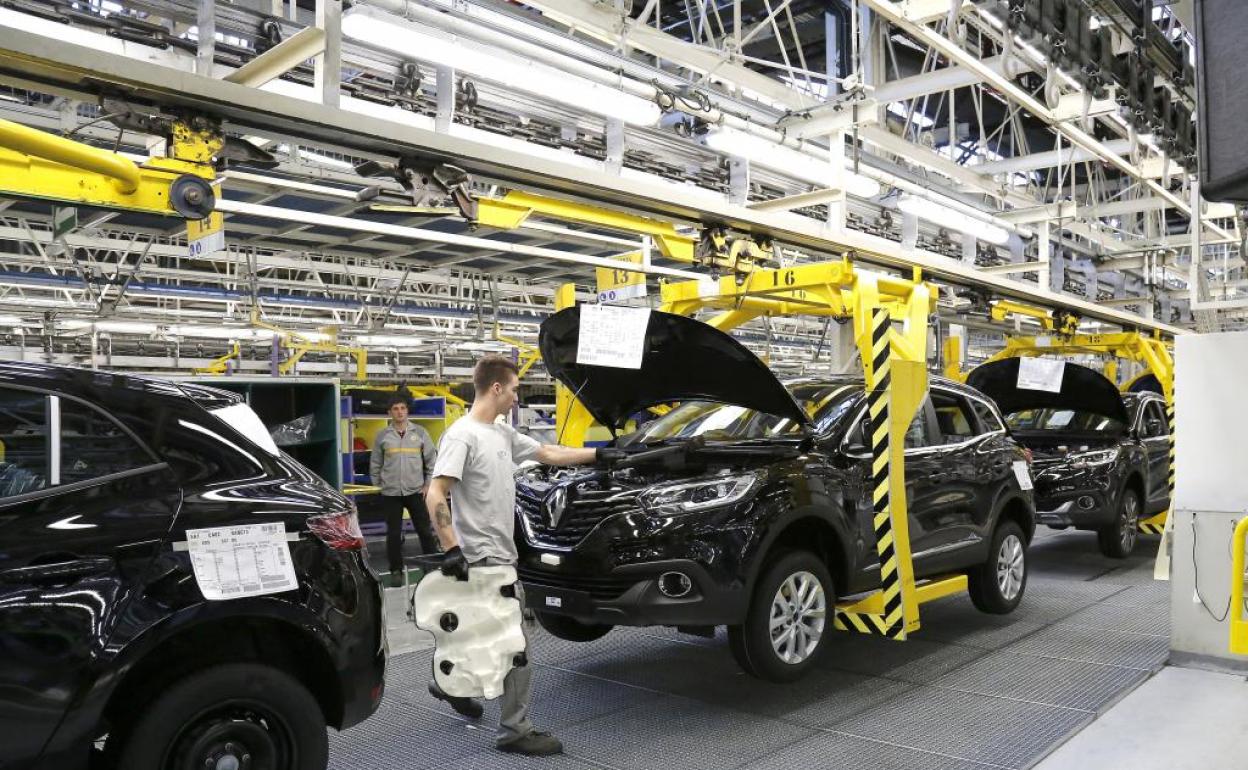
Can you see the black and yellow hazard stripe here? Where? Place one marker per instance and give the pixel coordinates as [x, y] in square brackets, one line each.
[891, 623]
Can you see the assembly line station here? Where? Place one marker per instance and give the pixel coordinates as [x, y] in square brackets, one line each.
[319, 206]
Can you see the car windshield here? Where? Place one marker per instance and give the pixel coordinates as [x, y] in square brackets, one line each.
[1052, 419]
[825, 404]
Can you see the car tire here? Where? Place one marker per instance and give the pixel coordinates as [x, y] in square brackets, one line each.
[786, 653]
[996, 586]
[571, 629]
[1117, 540]
[235, 709]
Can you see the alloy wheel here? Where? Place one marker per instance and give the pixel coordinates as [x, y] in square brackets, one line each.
[1010, 565]
[798, 614]
[1129, 523]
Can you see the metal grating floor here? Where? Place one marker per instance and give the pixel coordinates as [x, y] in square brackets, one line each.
[968, 691]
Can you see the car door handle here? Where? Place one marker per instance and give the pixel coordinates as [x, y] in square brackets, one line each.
[58, 572]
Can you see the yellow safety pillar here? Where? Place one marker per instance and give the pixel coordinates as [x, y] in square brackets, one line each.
[572, 420]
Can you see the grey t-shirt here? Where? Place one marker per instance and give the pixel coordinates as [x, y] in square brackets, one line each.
[483, 458]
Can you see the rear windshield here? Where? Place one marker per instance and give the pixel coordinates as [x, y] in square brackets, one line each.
[825, 404]
[1068, 420]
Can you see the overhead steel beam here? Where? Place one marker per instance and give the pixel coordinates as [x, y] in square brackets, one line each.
[281, 58]
[67, 67]
[1049, 159]
[1084, 139]
[822, 120]
[604, 22]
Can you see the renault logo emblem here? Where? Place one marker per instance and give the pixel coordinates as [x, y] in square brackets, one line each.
[556, 503]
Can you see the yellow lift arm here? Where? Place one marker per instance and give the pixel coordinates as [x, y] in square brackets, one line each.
[36, 164]
[712, 247]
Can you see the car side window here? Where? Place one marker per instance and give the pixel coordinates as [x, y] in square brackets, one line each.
[953, 418]
[92, 445]
[1154, 421]
[24, 445]
[917, 435]
[988, 420]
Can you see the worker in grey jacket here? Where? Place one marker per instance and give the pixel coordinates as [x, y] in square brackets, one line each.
[403, 456]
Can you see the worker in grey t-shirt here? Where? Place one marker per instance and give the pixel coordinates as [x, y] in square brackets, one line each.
[475, 469]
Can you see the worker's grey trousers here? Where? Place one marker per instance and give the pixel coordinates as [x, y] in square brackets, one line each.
[513, 718]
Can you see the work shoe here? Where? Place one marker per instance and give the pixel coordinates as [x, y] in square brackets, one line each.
[535, 744]
[469, 707]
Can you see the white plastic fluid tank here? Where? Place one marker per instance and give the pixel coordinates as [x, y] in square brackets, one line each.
[476, 627]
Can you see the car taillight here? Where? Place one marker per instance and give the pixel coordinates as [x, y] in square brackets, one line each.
[340, 531]
[1027, 454]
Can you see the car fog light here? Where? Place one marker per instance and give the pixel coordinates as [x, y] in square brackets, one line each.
[675, 584]
[1086, 502]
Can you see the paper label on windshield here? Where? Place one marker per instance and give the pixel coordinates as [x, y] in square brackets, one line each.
[1023, 474]
[612, 335]
[1041, 374]
[236, 562]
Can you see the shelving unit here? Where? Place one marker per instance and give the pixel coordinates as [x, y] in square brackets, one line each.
[432, 410]
[277, 400]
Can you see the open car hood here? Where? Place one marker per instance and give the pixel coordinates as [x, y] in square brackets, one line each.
[684, 360]
[1083, 389]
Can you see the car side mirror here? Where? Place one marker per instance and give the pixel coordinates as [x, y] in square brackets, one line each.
[857, 450]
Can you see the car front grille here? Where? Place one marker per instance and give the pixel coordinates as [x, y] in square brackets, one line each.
[586, 507]
[598, 587]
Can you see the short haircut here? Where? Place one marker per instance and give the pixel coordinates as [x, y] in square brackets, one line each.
[396, 400]
[492, 369]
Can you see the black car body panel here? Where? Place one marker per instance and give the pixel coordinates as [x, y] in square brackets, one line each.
[70, 641]
[595, 543]
[685, 360]
[1083, 389]
[1080, 473]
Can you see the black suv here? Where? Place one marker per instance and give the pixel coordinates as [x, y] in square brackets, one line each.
[1102, 458]
[748, 505]
[109, 652]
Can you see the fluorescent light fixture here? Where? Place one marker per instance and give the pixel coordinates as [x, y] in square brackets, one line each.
[955, 220]
[28, 301]
[319, 159]
[389, 341]
[126, 327]
[813, 166]
[408, 39]
[490, 345]
[221, 332]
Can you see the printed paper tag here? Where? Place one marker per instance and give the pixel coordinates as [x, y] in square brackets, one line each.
[611, 335]
[554, 601]
[236, 562]
[1023, 474]
[1040, 374]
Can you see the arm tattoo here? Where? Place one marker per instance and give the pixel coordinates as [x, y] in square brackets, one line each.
[443, 515]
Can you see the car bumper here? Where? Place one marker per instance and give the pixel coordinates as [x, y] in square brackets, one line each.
[362, 661]
[631, 595]
[1083, 509]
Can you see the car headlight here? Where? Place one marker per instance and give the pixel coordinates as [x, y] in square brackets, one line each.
[1093, 459]
[691, 496]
